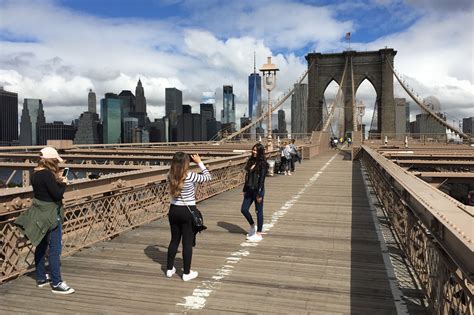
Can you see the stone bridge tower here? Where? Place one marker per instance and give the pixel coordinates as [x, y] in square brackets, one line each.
[370, 65]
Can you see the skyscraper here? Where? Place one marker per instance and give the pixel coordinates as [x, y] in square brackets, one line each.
[32, 117]
[91, 102]
[140, 102]
[130, 124]
[89, 129]
[299, 105]
[255, 94]
[111, 115]
[173, 108]
[282, 124]
[173, 101]
[128, 102]
[9, 117]
[228, 105]
[468, 126]
[402, 115]
[209, 120]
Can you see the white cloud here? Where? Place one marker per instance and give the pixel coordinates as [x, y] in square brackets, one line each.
[435, 57]
[69, 52]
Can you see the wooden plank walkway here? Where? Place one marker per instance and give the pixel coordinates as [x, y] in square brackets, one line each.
[320, 255]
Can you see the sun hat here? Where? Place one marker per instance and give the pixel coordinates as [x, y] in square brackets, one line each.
[50, 153]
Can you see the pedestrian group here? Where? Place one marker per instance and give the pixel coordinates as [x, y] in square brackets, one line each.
[42, 222]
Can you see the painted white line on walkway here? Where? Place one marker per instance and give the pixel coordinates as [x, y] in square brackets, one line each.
[198, 300]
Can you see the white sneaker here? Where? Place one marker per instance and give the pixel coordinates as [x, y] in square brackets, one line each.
[255, 238]
[289, 173]
[251, 231]
[190, 276]
[170, 272]
[62, 288]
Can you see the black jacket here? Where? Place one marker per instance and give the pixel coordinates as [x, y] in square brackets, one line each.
[255, 180]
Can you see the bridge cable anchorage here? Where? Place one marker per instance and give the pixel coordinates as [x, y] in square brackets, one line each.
[274, 107]
[426, 108]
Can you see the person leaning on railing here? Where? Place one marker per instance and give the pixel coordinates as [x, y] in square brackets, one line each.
[42, 222]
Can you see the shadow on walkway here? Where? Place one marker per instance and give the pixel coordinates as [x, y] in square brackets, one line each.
[159, 255]
[231, 228]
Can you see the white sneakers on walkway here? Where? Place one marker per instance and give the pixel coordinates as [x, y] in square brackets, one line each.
[255, 238]
[190, 276]
[252, 231]
[171, 272]
[186, 277]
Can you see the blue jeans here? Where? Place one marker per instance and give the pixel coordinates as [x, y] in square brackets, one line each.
[52, 238]
[249, 198]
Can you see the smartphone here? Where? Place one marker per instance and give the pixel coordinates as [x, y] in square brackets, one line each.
[65, 172]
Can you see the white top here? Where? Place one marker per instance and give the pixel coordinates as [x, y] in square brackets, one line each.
[188, 191]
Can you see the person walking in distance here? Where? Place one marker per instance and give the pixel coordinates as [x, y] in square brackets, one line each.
[254, 190]
[286, 157]
[42, 222]
[293, 155]
[182, 190]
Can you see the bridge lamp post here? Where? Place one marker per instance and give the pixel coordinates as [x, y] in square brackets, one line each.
[269, 71]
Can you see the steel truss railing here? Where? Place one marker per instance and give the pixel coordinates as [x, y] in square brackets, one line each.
[98, 210]
[446, 280]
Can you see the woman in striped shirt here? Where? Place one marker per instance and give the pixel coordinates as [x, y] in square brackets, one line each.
[182, 189]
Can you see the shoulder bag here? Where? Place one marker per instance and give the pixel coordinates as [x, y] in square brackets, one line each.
[198, 220]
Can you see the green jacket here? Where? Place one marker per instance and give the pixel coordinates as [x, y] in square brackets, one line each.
[40, 218]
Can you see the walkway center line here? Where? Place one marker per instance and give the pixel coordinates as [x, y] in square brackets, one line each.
[198, 299]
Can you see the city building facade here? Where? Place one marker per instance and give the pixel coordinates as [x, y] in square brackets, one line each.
[8, 118]
[91, 102]
[32, 117]
[228, 105]
[140, 105]
[111, 115]
[402, 117]
[468, 126]
[55, 131]
[282, 131]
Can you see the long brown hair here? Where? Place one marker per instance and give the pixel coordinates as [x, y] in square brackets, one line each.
[51, 165]
[260, 160]
[178, 171]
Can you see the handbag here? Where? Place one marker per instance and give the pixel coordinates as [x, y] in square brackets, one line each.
[198, 220]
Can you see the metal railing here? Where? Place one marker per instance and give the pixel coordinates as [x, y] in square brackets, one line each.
[100, 209]
[437, 245]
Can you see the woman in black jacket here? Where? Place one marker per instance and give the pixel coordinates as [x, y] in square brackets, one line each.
[254, 190]
[48, 189]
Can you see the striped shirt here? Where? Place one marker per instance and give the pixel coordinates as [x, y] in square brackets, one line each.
[188, 190]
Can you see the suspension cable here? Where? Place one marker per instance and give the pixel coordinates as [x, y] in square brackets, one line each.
[425, 108]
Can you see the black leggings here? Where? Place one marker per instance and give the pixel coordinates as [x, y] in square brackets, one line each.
[181, 227]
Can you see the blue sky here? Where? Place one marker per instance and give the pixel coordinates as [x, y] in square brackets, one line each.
[57, 49]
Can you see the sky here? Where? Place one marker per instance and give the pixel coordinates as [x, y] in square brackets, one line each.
[57, 50]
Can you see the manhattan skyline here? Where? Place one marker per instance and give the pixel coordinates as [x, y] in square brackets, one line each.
[58, 50]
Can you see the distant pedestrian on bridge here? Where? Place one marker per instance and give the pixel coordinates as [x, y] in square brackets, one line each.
[254, 190]
[182, 190]
[42, 222]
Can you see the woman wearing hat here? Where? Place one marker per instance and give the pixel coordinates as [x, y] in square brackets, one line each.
[42, 222]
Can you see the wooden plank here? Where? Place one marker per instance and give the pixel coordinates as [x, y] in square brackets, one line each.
[323, 255]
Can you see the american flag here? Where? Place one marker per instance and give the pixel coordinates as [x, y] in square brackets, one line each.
[348, 36]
